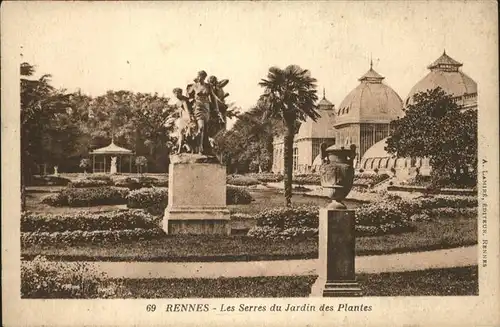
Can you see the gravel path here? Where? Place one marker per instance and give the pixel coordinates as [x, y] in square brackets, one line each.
[457, 257]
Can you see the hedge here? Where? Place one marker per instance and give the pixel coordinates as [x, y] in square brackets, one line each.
[134, 183]
[266, 177]
[49, 181]
[86, 221]
[82, 183]
[307, 179]
[237, 195]
[240, 180]
[370, 179]
[153, 199]
[96, 236]
[85, 197]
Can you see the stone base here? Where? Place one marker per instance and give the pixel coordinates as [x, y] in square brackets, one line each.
[323, 288]
[196, 197]
[197, 221]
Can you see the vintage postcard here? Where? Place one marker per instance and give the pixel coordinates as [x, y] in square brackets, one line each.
[319, 163]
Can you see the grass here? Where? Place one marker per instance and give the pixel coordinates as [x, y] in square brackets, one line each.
[460, 281]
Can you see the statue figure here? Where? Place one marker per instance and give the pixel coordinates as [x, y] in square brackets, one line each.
[185, 124]
[202, 113]
[113, 165]
[56, 173]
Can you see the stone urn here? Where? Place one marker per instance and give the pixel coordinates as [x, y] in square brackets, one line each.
[337, 173]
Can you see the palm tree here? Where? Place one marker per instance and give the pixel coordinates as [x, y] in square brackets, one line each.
[289, 95]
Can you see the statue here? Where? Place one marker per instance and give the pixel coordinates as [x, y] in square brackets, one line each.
[206, 108]
[56, 173]
[185, 125]
[113, 165]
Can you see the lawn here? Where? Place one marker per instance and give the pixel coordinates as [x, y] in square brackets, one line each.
[441, 233]
[461, 281]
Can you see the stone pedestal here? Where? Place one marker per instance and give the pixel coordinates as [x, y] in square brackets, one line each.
[196, 197]
[337, 275]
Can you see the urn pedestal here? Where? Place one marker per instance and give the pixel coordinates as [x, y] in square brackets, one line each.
[196, 197]
[336, 264]
[336, 267]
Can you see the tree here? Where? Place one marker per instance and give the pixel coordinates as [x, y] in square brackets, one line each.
[40, 105]
[289, 95]
[435, 126]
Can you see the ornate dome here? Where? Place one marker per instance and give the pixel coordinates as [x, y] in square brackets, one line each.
[445, 73]
[370, 102]
[323, 126]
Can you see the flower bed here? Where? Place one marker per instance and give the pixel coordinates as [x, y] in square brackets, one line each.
[237, 195]
[43, 279]
[86, 221]
[85, 197]
[134, 183]
[49, 181]
[153, 199]
[266, 177]
[307, 179]
[368, 179]
[96, 237]
[240, 180]
[82, 183]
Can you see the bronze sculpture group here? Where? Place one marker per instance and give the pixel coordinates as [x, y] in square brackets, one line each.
[202, 113]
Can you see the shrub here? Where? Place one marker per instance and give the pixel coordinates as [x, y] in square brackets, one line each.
[237, 195]
[99, 177]
[46, 279]
[267, 177]
[240, 180]
[49, 181]
[86, 221]
[153, 199]
[135, 183]
[96, 237]
[55, 200]
[288, 217]
[92, 196]
[82, 183]
[370, 178]
[307, 179]
[266, 232]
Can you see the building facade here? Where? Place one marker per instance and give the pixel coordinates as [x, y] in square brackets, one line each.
[444, 73]
[306, 145]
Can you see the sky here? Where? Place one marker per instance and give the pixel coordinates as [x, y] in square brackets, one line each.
[157, 46]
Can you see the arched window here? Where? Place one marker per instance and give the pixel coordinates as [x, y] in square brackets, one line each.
[376, 163]
[369, 162]
[384, 162]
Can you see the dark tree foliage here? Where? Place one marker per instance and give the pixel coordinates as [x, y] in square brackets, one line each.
[435, 126]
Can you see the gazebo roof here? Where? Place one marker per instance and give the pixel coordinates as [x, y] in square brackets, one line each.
[111, 149]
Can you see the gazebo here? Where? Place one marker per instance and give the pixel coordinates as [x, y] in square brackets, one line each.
[112, 150]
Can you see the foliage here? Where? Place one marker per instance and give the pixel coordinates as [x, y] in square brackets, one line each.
[45, 279]
[141, 161]
[86, 182]
[370, 179]
[237, 195]
[95, 237]
[288, 217]
[241, 180]
[97, 177]
[134, 183]
[266, 177]
[435, 126]
[290, 96]
[86, 221]
[307, 179]
[85, 197]
[153, 199]
[49, 181]
[248, 145]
